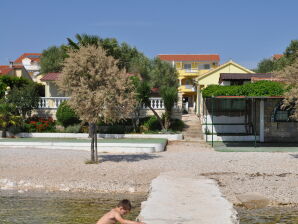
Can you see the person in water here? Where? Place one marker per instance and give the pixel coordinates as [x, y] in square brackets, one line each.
[115, 215]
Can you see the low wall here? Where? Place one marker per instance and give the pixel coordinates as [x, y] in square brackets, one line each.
[278, 131]
[170, 137]
[231, 138]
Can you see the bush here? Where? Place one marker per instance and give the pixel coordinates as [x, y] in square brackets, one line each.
[177, 125]
[152, 124]
[76, 128]
[115, 129]
[35, 124]
[261, 88]
[66, 115]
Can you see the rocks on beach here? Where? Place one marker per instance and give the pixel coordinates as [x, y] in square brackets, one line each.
[273, 175]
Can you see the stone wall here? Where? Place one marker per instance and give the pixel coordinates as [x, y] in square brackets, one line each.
[278, 131]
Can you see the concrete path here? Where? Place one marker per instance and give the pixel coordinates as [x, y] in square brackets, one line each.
[179, 198]
[193, 130]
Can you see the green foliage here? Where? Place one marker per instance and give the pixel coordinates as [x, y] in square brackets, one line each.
[52, 59]
[25, 99]
[289, 56]
[162, 74]
[266, 65]
[170, 97]
[12, 82]
[143, 93]
[152, 124]
[66, 115]
[76, 128]
[8, 116]
[261, 88]
[177, 125]
[128, 57]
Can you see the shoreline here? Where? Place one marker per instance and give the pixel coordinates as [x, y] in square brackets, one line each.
[273, 175]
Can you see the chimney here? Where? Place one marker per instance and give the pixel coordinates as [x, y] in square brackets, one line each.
[10, 64]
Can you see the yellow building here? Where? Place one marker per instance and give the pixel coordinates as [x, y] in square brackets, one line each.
[212, 77]
[190, 67]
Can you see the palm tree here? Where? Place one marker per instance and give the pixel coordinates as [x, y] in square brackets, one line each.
[143, 97]
[170, 97]
[84, 40]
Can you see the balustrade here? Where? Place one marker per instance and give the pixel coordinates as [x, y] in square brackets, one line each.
[54, 102]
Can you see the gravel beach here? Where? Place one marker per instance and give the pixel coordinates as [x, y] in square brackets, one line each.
[274, 175]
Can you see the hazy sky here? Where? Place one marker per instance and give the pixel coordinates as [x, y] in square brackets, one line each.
[243, 30]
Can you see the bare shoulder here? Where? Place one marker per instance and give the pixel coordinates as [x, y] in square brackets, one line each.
[108, 218]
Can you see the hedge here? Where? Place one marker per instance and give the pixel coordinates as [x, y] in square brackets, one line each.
[261, 88]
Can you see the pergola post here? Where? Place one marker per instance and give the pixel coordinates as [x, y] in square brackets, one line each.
[261, 120]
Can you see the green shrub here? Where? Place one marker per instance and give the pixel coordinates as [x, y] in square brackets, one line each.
[177, 125]
[76, 128]
[152, 124]
[66, 115]
[261, 88]
[115, 129]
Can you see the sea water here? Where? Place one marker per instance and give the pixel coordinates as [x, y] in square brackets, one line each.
[51, 208]
[78, 208]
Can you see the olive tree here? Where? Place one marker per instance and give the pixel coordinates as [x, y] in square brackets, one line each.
[98, 89]
[289, 75]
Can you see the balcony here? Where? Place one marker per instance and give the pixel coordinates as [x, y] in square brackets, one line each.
[191, 72]
[187, 88]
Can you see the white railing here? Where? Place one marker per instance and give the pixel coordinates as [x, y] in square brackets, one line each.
[156, 103]
[54, 102]
[190, 87]
[191, 70]
[51, 102]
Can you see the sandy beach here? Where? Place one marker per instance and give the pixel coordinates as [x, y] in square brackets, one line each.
[274, 175]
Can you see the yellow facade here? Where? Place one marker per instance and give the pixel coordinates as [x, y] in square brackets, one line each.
[212, 77]
[188, 71]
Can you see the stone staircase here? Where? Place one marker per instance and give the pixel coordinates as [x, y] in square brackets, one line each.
[193, 130]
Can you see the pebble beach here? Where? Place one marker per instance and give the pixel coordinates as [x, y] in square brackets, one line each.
[273, 175]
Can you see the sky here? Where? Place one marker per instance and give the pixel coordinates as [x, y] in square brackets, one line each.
[245, 31]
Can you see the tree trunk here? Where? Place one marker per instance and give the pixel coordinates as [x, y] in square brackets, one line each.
[95, 136]
[158, 117]
[167, 120]
[91, 133]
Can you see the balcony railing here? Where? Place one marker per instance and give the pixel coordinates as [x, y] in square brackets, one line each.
[54, 102]
[51, 102]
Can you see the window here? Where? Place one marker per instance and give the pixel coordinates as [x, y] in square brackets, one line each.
[187, 66]
[283, 114]
[188, 82]
[204, 66]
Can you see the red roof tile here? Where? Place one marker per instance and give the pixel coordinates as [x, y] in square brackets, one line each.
[5, 69]
[53, 76]
[189, 57]
[32, 56]
[277, 56]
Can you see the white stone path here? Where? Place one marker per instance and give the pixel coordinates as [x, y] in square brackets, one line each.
[177, 198]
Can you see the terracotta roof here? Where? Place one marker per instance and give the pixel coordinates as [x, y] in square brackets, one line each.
[277, 56]
[32, 56]
[189, 57]
[5, 69]
[53, 76]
